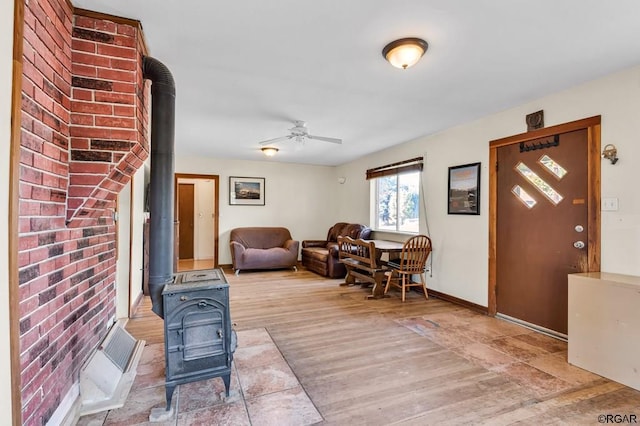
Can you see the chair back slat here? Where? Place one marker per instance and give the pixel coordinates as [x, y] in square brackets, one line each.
[415, 253]
[413, 260]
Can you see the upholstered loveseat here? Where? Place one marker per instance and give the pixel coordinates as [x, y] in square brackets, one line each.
[262, 248]
[321, 256]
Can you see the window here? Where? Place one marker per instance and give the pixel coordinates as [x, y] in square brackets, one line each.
[395, 190]
[398, 202]
[539, 183]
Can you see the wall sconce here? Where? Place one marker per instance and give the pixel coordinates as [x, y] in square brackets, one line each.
[269, 151]
[610, 153]
[405, 52]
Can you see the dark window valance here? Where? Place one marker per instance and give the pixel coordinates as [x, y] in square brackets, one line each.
[414, 164]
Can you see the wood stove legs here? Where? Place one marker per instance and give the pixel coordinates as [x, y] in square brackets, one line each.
[171, 387]
[227, 383]
[158, 414]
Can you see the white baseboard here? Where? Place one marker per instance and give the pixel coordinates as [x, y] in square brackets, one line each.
[68, 412]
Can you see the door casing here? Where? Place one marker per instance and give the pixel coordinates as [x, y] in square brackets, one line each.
[592, 124]
[216, 201]
[123, 251]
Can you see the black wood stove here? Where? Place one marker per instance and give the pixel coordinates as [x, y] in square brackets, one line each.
[199, 339]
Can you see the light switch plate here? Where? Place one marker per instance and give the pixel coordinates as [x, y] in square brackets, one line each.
[609, 204]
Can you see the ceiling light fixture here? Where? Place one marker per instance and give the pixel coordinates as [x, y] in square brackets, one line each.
[405, 52]
[269, 151]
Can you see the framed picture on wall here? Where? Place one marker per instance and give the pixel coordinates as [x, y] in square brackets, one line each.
[246, 191]
[464, 189]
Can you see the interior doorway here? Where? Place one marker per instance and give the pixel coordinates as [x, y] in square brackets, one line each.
[544, 220]
[186, 219]
[197, 210]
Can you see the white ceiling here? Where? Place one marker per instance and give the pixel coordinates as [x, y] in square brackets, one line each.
[246, 69]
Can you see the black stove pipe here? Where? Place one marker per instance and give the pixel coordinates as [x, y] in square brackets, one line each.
[163, 96]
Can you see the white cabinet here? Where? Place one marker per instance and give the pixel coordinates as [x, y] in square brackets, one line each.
[604, 325]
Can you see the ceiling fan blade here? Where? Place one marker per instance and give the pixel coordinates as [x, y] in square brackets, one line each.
[325, 139]
[278, 139]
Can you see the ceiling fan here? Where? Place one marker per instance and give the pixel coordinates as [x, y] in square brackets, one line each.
[299, 133]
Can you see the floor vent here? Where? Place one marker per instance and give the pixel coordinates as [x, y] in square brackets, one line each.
[107, 376]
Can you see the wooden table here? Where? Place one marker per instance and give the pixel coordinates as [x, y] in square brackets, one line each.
[393, 249]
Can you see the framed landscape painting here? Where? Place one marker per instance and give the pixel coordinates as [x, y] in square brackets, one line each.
[464, 189]
[246, 191]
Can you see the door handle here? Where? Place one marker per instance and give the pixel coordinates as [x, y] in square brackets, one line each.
[579, 244]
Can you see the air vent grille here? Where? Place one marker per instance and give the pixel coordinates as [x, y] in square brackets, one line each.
[120, 348]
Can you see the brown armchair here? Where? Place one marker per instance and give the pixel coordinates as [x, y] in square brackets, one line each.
[321, 256]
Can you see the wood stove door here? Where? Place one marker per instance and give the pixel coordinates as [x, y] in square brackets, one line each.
[198, 336]
[202, 334]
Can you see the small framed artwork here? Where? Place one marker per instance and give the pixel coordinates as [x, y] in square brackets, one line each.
[464, 189]
[246, 191]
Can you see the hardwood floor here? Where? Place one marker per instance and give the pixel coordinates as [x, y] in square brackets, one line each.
[419, 362]
[192, 264]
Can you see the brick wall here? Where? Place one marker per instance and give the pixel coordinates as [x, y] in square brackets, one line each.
[83, 134]
[108, 119]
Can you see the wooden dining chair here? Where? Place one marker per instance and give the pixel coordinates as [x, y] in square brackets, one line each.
[413, 260]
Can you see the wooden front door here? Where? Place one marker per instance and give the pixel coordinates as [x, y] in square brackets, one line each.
[542, 226]
[186, 219]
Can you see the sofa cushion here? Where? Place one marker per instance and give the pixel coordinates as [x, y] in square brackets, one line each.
[270, 258]
[317, 253]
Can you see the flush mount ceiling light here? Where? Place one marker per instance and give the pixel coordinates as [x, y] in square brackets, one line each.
[405, 52]
[269, 151]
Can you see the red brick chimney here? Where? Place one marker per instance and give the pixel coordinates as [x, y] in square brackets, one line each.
[109, 115]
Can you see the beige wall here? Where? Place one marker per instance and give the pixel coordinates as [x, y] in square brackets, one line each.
[6, 49]
[460, 260]
[308, 199]
[297, 196]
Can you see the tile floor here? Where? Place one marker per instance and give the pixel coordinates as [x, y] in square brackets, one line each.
[264, 392]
